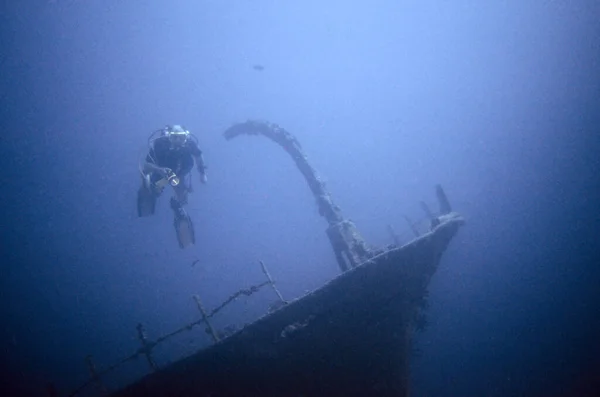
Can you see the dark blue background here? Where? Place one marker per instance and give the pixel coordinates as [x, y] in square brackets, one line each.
[497, 101]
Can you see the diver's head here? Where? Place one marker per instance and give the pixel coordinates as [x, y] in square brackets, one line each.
[178, 135]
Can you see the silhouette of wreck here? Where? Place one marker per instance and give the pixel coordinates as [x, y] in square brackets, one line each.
[350, 337]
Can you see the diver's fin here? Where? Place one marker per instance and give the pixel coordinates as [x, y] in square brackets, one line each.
[146, 202]
[184, 229]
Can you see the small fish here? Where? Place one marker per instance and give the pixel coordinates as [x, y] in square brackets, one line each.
[258, 67]
[194, 262]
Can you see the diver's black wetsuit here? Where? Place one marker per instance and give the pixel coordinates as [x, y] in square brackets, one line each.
[179, 159]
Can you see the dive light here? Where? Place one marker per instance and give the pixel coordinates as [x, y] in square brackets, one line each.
[173, 179]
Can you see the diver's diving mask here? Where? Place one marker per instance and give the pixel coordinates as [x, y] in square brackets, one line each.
[178, 138]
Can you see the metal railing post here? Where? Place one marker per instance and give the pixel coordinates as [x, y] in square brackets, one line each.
[268, 275]
[205, 318]
[412, 226]
[146, 346]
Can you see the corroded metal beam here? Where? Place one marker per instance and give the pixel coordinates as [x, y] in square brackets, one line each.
[349, 247]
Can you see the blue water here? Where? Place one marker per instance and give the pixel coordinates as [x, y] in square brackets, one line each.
[496, 101]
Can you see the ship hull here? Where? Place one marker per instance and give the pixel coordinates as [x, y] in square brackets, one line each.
[351, 337]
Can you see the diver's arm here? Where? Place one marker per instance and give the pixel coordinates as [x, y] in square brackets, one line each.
[199, 159]
[201, 166]
[151, 167]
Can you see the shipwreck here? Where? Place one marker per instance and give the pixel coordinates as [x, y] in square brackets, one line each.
[350, 337]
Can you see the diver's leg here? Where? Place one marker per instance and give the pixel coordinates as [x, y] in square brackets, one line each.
[146, 199]
[181, 191]
[183, 223]
[178, 200]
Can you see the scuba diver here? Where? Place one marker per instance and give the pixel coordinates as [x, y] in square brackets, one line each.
[170, 158]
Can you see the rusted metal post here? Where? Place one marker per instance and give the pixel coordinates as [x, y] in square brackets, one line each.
[426, 209]
[266, 272]
[349, 247]
[146, 347]
[94, 375]
[433, 221]
[443, 200]
[205, 318]
[412, 226]
[394, 235]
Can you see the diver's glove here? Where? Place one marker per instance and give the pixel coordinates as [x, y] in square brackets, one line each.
[202, 172]
[164, 171]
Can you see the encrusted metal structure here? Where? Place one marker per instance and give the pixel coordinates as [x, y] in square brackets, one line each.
[350, 337]
[349, 247]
